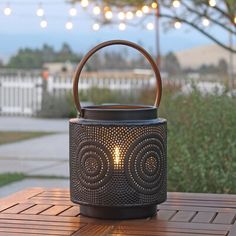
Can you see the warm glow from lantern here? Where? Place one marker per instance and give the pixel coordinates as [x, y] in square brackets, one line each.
[117, 156]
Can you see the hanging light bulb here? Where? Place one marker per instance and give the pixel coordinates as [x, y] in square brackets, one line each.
[177, 24]
[145, 9]
[122, 26]
[205, 22]
[108, 15]
[150, 26]
[154, 5]
[40, 11]
[176, 3]
[235, 20]
[212, 3]
[96, 10]
[69, 25]
[96, 26]
[121, 15]
[139, 13]
[7, 10]
[129, 15]
[84, 3]
[43, 23]
[73, 11]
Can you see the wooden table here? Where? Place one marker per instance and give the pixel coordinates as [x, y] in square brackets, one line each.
[39, 211]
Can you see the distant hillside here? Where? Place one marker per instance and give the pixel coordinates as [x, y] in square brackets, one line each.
[207, 54]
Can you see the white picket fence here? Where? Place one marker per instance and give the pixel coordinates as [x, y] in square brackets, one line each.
[22, 95]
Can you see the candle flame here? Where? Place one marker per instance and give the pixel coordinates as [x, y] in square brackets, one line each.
[117, 155]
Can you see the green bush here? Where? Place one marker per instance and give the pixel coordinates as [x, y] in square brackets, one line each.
[201, 142]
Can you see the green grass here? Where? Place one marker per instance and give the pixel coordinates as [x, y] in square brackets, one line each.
[10, 137]
[8, 178]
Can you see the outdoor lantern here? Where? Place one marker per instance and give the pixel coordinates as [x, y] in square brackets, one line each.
[118, 159]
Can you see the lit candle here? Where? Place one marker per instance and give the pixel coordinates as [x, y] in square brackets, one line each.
[117, 157]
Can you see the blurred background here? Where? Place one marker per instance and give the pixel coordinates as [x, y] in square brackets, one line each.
[192, 41]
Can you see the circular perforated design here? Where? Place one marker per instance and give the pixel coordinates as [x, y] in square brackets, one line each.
[145, 163]
[94, 164]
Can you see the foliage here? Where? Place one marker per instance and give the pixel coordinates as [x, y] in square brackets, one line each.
[11, 136]
[35, 58]
[191, 13]
[8, 178]
[55, 106]
[201, 142]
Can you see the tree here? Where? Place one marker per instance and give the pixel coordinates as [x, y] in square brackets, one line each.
[197, 14]
[171, 64]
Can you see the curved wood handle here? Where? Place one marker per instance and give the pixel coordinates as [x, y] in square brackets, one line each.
[109, 43]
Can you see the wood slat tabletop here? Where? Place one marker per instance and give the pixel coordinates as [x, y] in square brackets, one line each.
[39, 211]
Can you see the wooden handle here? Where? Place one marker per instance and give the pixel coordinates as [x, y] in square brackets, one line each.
[109, 43]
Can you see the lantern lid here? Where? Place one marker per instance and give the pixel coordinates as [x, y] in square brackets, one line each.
[119, 112]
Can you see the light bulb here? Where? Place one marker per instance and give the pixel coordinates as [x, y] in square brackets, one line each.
[129, 15]
[176, 3]
[40, 11]
[205, 22]
[96, 10]
[139, 13]
[177, 24]
[145, 9]
[235, 20]
[122, 26]
[73, 11]
[69, 25]
[154, 5]
[84, 3]
[121, 15]
[96, 26]
[108, 15]
[43, 24]
[150, 26]
[212, 3]
[7, 11]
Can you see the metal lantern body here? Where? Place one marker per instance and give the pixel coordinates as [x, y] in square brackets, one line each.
[118, 157]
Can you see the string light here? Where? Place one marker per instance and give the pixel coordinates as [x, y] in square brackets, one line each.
[108, 15]
[177, 24]
[154, 5]
[69, 25]
[7, 10]
[212, 3]
[122, 26]
[205, 22]
[96, 26]
[176, 3]
[121, 15]
[145, 9]
[235, 20]
[150, 26]
[40, 11]
[84, 3]
[139, 13]
[73, 11]
[43, 23]
[96, 10]
[129, 15]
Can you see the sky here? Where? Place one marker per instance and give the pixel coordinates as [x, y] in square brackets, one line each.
[21, 29]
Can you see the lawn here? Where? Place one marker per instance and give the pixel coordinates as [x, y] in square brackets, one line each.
[10, 137]
[8, 178]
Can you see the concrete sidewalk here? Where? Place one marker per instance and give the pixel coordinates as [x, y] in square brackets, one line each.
[33, 124]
